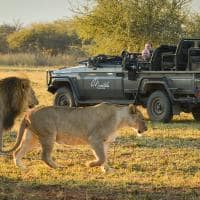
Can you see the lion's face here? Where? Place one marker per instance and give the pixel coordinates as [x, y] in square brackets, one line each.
[31, 98]
[136, 120]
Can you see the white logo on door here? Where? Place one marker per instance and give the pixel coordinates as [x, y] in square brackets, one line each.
[95, 83]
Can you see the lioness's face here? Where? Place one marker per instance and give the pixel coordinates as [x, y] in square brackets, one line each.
[136, 120]
[32, 99]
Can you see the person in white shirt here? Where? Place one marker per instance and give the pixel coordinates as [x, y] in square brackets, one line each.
[147, 52]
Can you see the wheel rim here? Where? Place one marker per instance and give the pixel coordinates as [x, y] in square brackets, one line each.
[157, 107]
[63, 101]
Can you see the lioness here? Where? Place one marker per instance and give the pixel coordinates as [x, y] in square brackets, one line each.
[93, 125]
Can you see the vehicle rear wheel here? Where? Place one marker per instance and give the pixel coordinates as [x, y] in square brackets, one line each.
[196, 113]
[64, 97]
[159, 107]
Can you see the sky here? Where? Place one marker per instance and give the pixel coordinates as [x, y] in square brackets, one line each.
[31, 11]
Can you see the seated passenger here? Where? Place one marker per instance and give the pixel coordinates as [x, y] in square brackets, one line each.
[147, 52]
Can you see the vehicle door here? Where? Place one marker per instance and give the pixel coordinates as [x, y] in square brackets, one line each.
[103, 82]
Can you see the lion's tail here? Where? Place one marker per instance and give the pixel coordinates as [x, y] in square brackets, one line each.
[23, 126]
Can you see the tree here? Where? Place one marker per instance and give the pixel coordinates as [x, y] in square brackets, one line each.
[115, 25]
[51, 38]
[5, 31]
[192, 27]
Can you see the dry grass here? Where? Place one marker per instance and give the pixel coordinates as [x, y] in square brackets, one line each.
[39, 59]
[164, 164]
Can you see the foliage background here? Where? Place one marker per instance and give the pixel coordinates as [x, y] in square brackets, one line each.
[99, 27]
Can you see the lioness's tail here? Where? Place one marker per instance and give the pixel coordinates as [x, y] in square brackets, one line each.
[23, 126]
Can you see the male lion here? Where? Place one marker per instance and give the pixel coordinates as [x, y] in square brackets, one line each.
[93, 125]
[16, 95]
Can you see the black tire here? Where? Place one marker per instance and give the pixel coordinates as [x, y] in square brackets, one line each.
[64, 97]
[196, 113]
[159, 107]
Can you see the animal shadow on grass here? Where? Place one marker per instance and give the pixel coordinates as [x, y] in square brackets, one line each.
[92, 190]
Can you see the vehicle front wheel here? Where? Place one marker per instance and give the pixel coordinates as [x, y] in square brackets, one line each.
[159, 107]
[64, 97]
[196, 113]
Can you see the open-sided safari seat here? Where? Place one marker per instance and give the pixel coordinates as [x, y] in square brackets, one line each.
[155, 62]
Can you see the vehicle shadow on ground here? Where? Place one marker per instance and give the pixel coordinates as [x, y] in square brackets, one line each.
[159, 142]
[92, 190]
